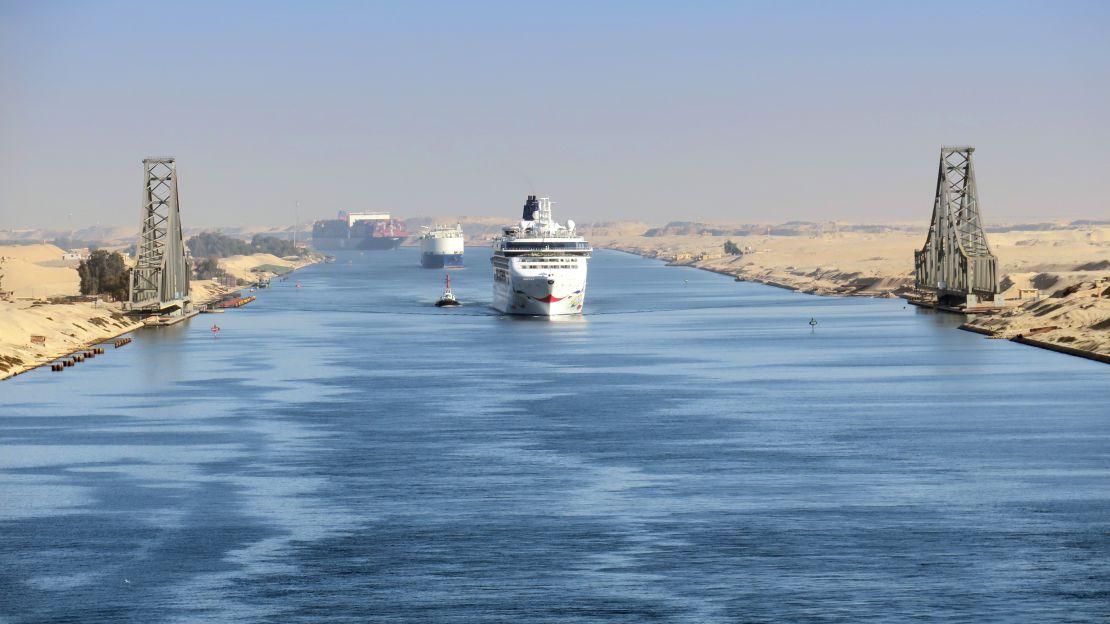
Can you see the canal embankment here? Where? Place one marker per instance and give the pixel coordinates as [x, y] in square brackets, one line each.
[1054, 283]
[37, 331]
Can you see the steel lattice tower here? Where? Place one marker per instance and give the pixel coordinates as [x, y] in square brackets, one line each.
[956, 262]
[160, 278]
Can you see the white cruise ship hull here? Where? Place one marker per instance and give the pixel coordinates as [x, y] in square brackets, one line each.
[546, 295]
[539, 266]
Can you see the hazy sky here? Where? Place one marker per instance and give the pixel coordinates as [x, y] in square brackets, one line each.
[741, 111]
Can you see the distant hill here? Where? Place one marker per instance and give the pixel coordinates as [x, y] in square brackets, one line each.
[790, 228]
[480, 228]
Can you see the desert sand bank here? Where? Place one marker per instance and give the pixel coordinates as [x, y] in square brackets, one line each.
[1077, 321]
[35, 331]
[1069, 268]
[37, 271]
[207, 291]
[244, 267]
[62, 327]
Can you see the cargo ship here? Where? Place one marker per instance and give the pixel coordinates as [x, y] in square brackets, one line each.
[358, 230]
[441, 247]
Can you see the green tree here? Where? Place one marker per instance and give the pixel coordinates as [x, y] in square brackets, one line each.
[209, 268]
[209, 244]
[214, 244]
[104, 273]
[732, 250]
[279, 247]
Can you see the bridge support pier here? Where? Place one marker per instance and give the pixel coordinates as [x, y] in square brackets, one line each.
[160, 278]
[956, 263]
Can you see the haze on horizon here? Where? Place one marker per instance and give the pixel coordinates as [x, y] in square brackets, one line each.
[721, 111]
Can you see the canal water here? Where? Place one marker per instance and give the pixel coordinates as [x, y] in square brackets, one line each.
[689, 451]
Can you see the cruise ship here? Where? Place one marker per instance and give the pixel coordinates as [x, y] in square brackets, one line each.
[539, 266]
[441, 247]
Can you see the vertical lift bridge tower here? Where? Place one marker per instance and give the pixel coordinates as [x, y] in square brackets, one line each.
[160, 278]
[956, 263]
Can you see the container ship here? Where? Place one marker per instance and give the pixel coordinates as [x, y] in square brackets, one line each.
[539, 266]
[441, 247]
[358, 230]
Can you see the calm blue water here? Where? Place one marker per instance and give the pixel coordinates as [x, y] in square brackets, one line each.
[687, 452]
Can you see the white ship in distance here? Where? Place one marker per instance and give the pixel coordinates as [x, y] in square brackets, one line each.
[441, 247]
[539, 265]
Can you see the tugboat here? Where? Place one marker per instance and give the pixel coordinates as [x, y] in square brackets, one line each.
[447, 299]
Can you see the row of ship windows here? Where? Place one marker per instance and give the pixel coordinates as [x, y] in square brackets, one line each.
[548, 266]
[545, 246]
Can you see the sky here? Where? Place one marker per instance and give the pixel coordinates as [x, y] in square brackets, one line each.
[656, 111]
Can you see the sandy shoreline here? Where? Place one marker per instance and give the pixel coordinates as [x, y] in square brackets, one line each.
[35, 332]
[1056, 282]
[63, 328]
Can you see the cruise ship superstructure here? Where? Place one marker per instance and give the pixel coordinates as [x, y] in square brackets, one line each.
[539, 266]
[441, 247]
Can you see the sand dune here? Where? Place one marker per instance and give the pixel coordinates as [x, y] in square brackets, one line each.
[65, 327]
[32, 253]
[26, 276]
[241, 266]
